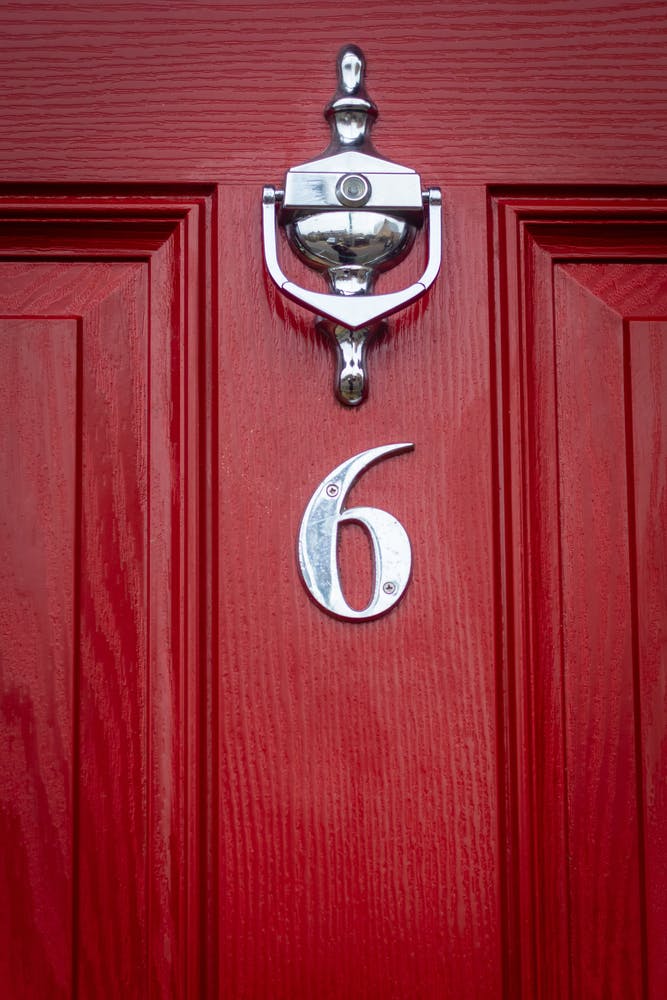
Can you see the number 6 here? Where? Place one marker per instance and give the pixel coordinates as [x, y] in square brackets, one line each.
[318, 538]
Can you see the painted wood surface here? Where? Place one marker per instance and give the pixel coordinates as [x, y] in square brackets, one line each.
[511, 92]
[208, 787]
[583, 483]
[98, 623]
[37, 625]
[357, 795]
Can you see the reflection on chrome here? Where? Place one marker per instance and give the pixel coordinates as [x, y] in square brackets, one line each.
[369, 239]
[351, 214]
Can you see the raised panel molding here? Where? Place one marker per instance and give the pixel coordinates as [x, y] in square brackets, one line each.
[579, 303]
[106, 342]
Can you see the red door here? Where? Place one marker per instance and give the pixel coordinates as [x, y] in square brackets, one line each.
[209, 787]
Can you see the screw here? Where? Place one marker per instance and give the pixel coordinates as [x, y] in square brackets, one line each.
[332, 490]
[389, 587]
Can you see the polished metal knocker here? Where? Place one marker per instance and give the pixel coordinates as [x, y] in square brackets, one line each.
[352, 214]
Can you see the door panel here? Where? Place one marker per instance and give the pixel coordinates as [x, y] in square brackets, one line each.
[37, 625]
[586, 482]
[649, 392]
[99, 358]
[357, 783]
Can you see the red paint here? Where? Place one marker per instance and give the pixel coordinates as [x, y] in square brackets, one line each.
[99, 623]
[582, 388]
[208, 787]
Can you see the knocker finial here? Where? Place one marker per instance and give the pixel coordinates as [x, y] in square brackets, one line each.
[351, 113]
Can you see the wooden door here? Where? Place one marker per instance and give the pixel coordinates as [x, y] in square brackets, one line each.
[209, 787]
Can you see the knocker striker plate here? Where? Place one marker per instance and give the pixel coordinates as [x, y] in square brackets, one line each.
[351, 214]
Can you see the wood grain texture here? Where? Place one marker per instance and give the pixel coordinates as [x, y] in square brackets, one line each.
[582, 590]
[100, 629]
[214, 789]
[37, 613]
[648, 393]
[512, 92]
[604, 877]
[357, 844]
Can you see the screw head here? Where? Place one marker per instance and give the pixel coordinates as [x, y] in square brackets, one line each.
[389, 587]
[332, 490]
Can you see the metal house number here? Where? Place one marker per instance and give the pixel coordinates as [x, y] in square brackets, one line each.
[318, 539]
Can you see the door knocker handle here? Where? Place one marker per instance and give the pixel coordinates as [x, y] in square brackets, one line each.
[352, 214]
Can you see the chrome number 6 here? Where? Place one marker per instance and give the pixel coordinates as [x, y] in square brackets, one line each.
[318, 541]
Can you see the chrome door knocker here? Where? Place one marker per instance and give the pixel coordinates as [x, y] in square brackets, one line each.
[352, 214]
